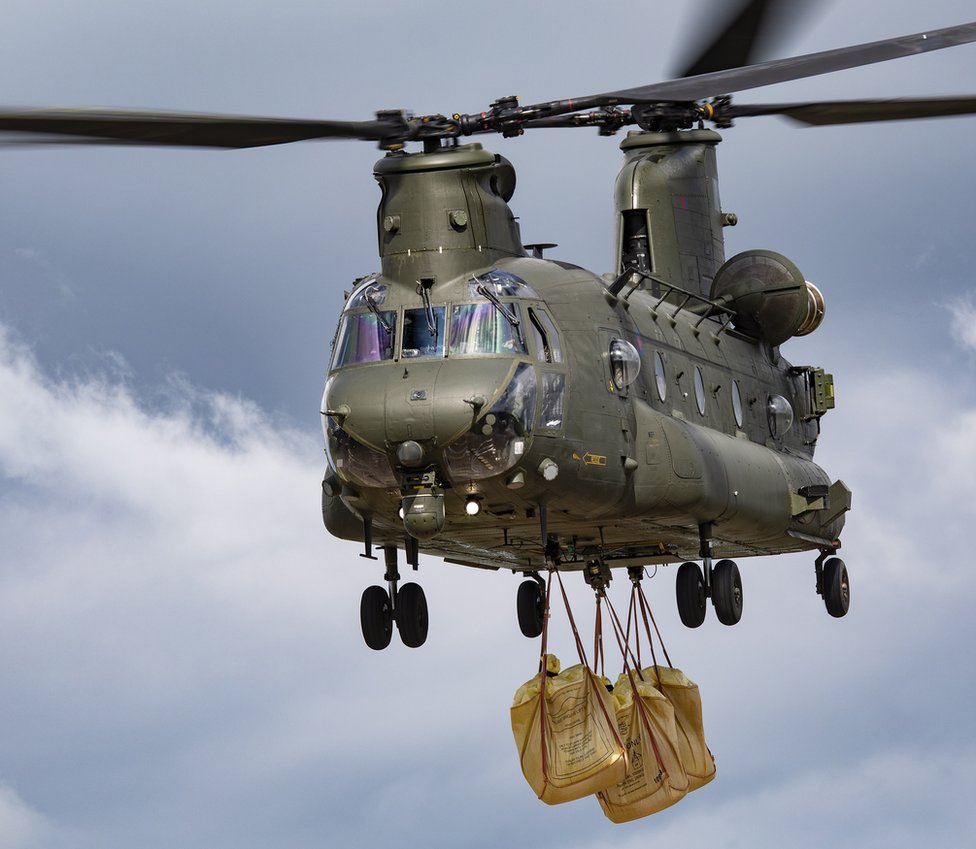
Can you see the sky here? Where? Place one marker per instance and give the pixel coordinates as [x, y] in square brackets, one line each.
[179, 637]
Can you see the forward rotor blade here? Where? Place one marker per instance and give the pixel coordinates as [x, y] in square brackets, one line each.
[830, 112]
[784, 70]
[180, 129]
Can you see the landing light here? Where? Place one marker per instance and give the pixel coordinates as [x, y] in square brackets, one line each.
[472, 506]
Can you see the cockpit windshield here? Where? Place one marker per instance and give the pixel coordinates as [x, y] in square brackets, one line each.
[367, 337]
[483, 329]
[423, 332]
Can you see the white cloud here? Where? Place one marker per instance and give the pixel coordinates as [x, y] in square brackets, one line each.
[21, 827]
[902, 799]
[181, 630]
[963, 321]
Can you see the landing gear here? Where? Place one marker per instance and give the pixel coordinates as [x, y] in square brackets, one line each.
[727, 592]
[405, 607]
[531, 607]
[721, 583]
[691, 593]
[836, 587]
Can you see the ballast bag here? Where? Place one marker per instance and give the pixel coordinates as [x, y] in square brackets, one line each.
[682, 693]
[657, 777]
[567, 737]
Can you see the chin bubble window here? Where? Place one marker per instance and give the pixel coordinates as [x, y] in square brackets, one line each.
[624, 363]
[780, 414]
[498, 439]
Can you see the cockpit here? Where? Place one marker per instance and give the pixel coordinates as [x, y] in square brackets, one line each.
[477, 376]
[483, 324]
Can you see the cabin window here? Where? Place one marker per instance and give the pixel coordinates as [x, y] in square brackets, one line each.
[365, 338]
[736, 403]
[423, 332]
[547, 349]
[624, 363]
[699, 390]
[660, 378]
[779, 412]
[483, 329]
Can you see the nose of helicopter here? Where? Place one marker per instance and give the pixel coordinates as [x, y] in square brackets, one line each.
[423, 402]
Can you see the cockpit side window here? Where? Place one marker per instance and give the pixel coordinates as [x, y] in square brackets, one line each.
[547, 349]
[365, 338]
[423, 332]
[483, 329]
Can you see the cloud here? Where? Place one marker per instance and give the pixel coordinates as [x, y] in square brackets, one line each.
[897, 800]
[21, 827]
[180, 631]
[962, 313]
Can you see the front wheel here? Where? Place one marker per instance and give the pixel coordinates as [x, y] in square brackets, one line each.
[411, 615]
[376, 617]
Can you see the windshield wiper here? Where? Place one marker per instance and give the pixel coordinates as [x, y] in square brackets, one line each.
[511, 317]
[375, 310]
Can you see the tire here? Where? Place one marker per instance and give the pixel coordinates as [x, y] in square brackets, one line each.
[689, 588]
[727, 592]
[836, 587]
[376, 617]
[411, 615]
[531, 608]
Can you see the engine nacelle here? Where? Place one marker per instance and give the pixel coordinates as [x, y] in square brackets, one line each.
[771, 299]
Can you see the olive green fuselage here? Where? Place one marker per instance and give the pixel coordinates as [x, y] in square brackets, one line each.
[616, 420]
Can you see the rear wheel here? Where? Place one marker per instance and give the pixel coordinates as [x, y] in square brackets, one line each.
[411, 615]
[836, 587]
[690, 591]
[727, 592]
[531, 608]
[376, 617]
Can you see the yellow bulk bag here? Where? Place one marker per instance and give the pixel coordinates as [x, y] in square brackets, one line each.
[657, 778]
[683, 694]
[567, 738]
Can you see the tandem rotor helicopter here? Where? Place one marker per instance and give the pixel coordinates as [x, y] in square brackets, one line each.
[498, 408]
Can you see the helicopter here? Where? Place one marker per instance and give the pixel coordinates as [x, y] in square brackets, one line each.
[500, 409]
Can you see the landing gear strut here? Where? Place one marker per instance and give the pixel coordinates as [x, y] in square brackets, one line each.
[833, 584]
[405, 606]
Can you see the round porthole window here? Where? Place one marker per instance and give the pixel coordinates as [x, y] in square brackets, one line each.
[700, 390]
[736, 403]
[624, 363]
[659, 376]
[780, 414]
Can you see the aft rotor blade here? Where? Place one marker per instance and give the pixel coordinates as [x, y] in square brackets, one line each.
[784, 70]
[751, 25]
[829, 112]
[181, 129]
